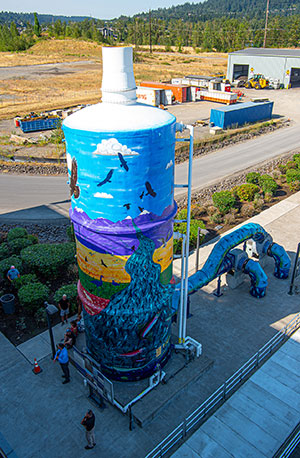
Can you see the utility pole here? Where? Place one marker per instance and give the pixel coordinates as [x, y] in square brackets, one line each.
[150, 38]
[266, 24]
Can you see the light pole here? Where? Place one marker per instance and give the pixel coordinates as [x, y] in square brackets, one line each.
[50, 310]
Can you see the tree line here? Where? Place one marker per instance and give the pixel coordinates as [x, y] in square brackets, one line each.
[224, 34]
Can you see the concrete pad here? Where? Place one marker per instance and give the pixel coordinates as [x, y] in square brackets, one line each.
[257, 414]
[287, 362]
[185, 451]
[271, 403]
[277, 389]
[37, 347]
[282, 374]
[229, 439]
[247, 429]
[206, 447]
[292, 349]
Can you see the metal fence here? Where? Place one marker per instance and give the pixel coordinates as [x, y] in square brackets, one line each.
[225, 390]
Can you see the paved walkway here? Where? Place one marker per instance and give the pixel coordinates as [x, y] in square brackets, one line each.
[41, 417]
[258, 418]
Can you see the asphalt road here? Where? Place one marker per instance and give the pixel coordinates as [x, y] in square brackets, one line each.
[39, 198]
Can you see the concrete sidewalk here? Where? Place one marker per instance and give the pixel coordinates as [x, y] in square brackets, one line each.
[40, 417]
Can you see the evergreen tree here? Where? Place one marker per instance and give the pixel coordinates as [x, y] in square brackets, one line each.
[36, 27]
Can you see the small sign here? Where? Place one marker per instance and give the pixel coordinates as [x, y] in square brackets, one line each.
[251, 69]
[287, 72]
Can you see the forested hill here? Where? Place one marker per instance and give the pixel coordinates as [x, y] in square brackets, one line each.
[6, 17]
[210, 9]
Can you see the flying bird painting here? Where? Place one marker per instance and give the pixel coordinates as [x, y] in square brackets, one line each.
[74, 189]
[123, 162]
[150, 191]
[107, 179]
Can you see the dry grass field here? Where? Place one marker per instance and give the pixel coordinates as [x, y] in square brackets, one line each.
[22, 94]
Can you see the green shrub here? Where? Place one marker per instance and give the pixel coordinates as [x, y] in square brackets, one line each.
[267, 184]
[48, 260]
[246, 191]
[6, 263]
[16, 233]
[296, 159]
[216, 218]
[247, 210]
[71, 292]
[282, 169]
[197, 211]
[292, 175]
[33, 238]
[25, 280]
[16, 245]
[291, 165]
[181, 227]
[252, 177]
[71, 233]
[294, 186]
[224, 201]
[33, 296]
[4, 251]
[40, 316]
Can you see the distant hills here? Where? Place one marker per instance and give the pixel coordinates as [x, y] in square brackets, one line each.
[210, 9]
[6, 17]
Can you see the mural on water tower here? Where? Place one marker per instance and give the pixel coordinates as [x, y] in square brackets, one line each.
[121, 164]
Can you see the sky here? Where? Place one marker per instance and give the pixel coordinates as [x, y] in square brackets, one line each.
[98, 9]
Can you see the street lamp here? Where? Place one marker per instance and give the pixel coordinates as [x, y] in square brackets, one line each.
[50, 310]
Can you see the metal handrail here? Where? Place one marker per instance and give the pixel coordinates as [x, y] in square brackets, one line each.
[225, 390]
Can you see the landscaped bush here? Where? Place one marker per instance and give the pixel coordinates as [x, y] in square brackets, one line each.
[71, 233]
[216, 218]
[25, 280]
[252, 177]
[33, 238]
[181, 227]
[292, 175]
[247, 210]
[291, 165]
[16, 233]
[224, 201]
[16, 245]
[71, 293]
[4, 251]
[296, 158]
[294, 186]
[267, 184]
[246, 191]
[48, 260]
[40, 316]
[33, 296]
[197, 211]
[6, 263]
[282, 169]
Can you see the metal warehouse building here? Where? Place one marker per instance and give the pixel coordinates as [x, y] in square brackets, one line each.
[276, 64]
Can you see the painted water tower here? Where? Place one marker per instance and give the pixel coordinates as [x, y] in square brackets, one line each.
[120, 156]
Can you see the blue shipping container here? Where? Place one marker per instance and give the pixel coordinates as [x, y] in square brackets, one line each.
[241, 113]
[34, 125]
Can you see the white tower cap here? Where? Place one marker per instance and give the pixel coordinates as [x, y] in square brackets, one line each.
[118, 83]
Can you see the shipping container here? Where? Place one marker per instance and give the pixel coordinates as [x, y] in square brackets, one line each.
[240, 114]
[150, 96]
[218, 96]
[179, 91]
[35, 124]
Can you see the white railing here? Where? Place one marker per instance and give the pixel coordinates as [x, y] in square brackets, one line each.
[225, 390]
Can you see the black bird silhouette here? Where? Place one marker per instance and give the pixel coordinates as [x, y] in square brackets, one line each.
[150, 192]
[127, 206]
[103, 263]
[142, 195]
[123, 162]
[86, 259]
[133, 248]
[141, 209]
[107, 179]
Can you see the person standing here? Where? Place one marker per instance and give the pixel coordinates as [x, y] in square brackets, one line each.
[63, 358]
[64, 307]
[89, 423]
[13, 273]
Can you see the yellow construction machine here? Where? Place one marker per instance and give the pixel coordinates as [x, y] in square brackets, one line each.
[257, 81]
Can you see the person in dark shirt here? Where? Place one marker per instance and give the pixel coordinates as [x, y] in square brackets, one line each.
[64, 307]
[69, 339]
[89, 423]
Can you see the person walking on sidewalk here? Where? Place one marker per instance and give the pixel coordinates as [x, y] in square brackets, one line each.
[64, 307]
[63, 358]
[89, 423]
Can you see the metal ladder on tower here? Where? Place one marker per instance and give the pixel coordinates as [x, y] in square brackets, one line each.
[185, 342]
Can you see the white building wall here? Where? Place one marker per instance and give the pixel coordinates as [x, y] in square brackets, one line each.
[271, 67]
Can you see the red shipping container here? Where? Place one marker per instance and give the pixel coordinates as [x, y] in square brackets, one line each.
[180, 91]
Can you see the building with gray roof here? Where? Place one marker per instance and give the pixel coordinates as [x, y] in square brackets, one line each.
[281, 65]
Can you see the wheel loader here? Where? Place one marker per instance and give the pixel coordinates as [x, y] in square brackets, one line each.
[257, 82]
